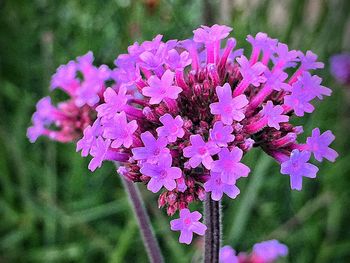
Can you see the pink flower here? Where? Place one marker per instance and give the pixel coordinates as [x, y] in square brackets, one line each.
[200, 152]
[230, 109]
[297, 166]
[211, 34]
[218, 188]
[319, 143]
[228, 255]
[98, 152]
[229, 165]
[273, 115]
[252, 74]
[120, 131]
[172, 127]
[162, 174]
[221, 134]
[153, 148]
[114, 102]
[160, 89]
[188, 223]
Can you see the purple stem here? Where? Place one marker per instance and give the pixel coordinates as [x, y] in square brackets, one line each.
[212, 217]
[149, 239]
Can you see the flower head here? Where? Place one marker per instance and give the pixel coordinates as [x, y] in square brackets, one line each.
[188, 223]
[180, 115]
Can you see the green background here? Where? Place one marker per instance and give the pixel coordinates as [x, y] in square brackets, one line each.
[52, 209]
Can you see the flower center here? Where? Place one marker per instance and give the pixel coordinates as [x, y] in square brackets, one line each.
[187, 221]
[173, 129]
[163, 174]
[218, 136]
[202, 150]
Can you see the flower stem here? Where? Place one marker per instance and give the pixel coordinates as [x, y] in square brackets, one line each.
[149, 239]
[212, 214]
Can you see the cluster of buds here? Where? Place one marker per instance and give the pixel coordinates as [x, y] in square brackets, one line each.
[264, 252]
[179, 115]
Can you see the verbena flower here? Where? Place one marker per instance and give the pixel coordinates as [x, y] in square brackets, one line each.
[188, 223]
[180, 115]
[265, 252]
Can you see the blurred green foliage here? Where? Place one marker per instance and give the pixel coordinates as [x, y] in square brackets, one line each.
[52, 209]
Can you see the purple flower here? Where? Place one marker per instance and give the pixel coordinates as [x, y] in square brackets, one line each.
[98, 151]
[114, 102]
[200, 152]
[227, 255]
[340, 67]
[45, 111]
[162, 174]
[218, 188]
[221, 134]
[274, 115]
[120, 131]
[153, 148]
[211, 34]
[188, 223]
[297, 166]
[285, 58]
[298, 101]
[172, 127]
[153, 60]
[230, 109]
[270, 250]
[262, 41]
[251, 74]
[174, 60]
[65, 78]
[275, 80]
[229, 165]
[89, 138]
[160, 89]
[319, 143]
[35, 131]
[310, 85]
[309, 61]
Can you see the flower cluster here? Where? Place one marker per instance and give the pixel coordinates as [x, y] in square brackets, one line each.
[84, 84]
[264, 252]
[181, 115]
[340, 67]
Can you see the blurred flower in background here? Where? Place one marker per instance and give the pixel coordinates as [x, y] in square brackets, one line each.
[340, 67]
